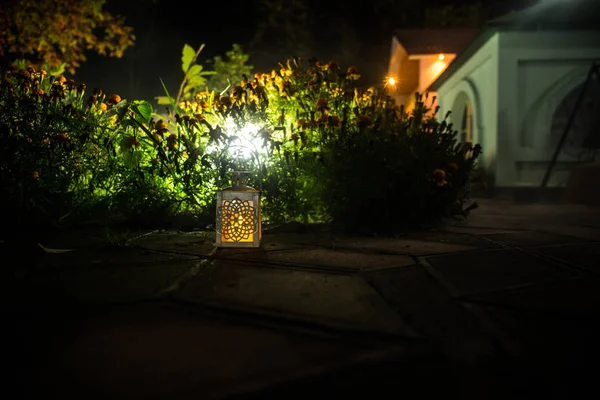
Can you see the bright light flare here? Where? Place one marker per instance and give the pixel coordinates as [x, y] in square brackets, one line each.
[390, 82]
[441, 57]
[247, 140]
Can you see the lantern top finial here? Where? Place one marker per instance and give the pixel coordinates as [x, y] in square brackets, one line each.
[240, 178]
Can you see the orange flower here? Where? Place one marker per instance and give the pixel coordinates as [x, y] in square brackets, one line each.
[352, 73]
[171, 141]
[322, 104]
[35, 176]
[364, 121]
[103, 107]
[334, 121]
[321, 65]
[61, 137]
[114, 99]
[160, 126]
[226, 101]
[238, 92]
[333, 66]
[295, 138]
[61, 79]
[439, 177]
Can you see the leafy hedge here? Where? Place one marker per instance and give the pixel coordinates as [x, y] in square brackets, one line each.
[319, 147]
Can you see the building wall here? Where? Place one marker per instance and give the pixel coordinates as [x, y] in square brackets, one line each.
[476, 81]
[536, 71]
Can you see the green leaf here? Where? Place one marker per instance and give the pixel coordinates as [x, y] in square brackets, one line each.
[187, 57]
[143, 110]
[194, 70]
[54, 251]
[164, 100]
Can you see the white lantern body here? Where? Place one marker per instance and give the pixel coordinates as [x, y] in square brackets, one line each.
[238, 222]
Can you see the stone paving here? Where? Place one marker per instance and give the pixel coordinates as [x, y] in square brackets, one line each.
[505, 301]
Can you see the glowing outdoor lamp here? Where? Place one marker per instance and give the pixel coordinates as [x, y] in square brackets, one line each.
[441, 57]
[238, 221]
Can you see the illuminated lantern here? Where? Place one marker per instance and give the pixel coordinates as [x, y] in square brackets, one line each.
[238, 221]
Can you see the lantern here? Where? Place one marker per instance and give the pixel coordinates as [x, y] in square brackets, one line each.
[238, 221]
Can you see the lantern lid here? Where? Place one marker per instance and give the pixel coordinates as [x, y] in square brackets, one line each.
[239, 182]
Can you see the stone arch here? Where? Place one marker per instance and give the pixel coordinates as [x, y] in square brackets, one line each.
[584, 135]
[466, 111]
[539, 117]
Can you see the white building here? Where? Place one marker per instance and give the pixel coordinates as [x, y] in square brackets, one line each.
[513, 88]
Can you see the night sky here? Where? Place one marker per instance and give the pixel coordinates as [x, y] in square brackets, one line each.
[357, 34]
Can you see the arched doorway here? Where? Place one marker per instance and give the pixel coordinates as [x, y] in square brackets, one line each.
[583, 139]
[462, 117]
[466, 131]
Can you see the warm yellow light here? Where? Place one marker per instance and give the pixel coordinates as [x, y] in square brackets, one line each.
[441, 57]
[240, 227]
[391, 81]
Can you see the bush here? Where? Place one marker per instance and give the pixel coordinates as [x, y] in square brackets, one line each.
[319, 148]
[332, 152]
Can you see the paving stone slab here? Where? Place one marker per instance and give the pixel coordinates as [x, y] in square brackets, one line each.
[163, 352]
[556, 343]
[577, 297]
[128, 283]
[290, 240]
[586, 255]
[427, 307]
[533, 239]
[495, 270]
[195, 243]
[584, 232]
[352, 260]
[104, 257]
[477, 230]
[421, 244]
[337, 300]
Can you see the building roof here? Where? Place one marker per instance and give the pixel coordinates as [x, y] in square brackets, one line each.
[546, 15]
[435, 41]
[553, 15]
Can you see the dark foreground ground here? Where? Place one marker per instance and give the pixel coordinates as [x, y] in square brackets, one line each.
[502, 306]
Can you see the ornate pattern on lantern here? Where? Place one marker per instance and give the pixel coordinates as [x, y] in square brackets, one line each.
[238, 222]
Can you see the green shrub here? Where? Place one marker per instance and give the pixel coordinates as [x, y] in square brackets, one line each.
[319, 148]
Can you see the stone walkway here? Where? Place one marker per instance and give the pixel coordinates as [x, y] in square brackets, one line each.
[500, 306]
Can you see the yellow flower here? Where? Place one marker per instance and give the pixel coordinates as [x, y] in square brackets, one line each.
[103, 107]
